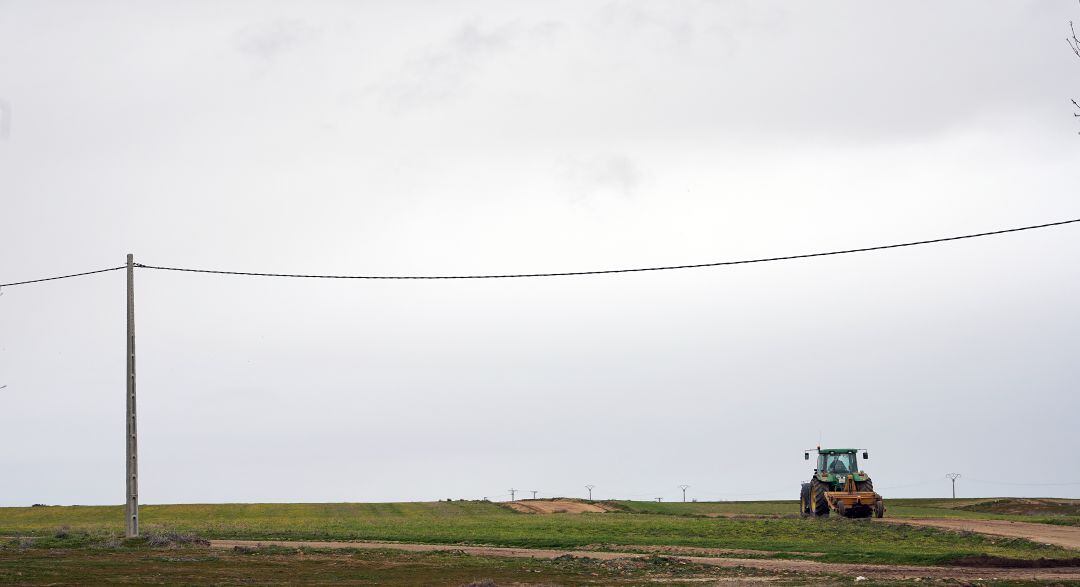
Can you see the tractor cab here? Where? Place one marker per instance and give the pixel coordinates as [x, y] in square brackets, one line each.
[835, 465]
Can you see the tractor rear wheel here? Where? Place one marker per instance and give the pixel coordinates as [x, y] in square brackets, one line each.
[817, 497]
[867, 485]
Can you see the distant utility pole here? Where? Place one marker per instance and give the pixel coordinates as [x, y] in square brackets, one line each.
[534, 492]
[658, 499]
[684, 488]
[590, 488]
[953, 477]
[131, 500]
[512, 492]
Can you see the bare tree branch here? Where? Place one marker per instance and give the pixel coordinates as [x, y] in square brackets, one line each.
[1073, 42]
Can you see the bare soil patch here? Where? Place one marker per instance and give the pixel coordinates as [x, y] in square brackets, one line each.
[558, 506]
[1066, 536]
[692, 550]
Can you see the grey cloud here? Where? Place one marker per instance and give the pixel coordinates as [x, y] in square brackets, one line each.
[672, 20]
[442, 70]
[275, 39]
[680, 24]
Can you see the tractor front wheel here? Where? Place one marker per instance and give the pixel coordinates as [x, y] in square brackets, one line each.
[804, 500]
[817, 497]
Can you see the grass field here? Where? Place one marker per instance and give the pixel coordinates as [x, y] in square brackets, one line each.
[479, 522]
[1065, 512]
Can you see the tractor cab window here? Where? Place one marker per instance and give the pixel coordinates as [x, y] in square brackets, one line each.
[840, 464]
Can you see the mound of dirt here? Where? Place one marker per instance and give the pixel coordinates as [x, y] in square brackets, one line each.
[559, 506]
[1027, 507]
[988, 561]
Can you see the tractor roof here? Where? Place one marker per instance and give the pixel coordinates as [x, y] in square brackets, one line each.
[833, 451]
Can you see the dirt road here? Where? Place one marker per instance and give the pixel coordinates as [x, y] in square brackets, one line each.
[777, 565]
[557, 506]
[1067, 536]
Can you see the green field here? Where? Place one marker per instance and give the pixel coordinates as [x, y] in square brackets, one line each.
[1064, 512]
[480, 522]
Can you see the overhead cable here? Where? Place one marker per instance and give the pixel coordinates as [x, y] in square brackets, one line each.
[559, 273]
[610, 271]
[62, 276]
[1020, 484]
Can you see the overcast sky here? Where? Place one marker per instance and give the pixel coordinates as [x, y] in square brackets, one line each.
[449, 137]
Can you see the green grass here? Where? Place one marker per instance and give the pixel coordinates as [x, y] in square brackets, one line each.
[713, 508]
[974, 509]
[488, 523]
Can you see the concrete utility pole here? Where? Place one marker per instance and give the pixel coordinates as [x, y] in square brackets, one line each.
[684, 488]
[953, 477]
[512, 492]
[131, 501]
[534, 492]
[590, 488]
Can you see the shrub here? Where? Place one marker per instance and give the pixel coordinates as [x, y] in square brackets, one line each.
[172, 539]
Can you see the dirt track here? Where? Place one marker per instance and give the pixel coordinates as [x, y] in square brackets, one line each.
[557, 506]
[1067, 536]
[777, 565]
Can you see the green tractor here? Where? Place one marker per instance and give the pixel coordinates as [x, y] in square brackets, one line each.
[838, 485]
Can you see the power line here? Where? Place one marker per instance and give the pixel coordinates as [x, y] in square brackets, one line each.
[1021, 484]
[751, 494]
[610, 271]
[559, 273]
[932, 481]
[62, 276]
